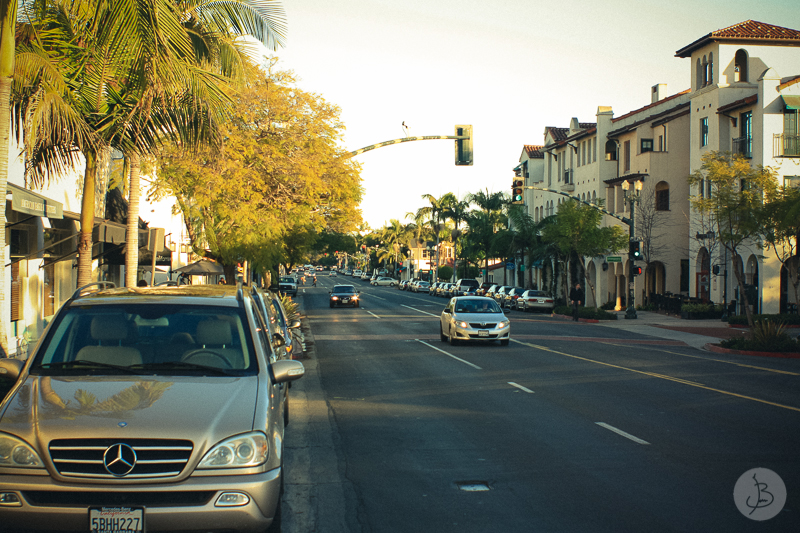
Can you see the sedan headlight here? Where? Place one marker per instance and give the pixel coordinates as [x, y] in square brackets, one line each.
[501, 325]
[355, 297]
[16, 452]
[250, 449]
[334, 297]
[463, 324]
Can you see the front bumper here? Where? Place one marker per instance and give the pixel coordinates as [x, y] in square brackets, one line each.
[185, 506]
[474, 334]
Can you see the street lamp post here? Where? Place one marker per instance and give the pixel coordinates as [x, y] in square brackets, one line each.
[632, 198]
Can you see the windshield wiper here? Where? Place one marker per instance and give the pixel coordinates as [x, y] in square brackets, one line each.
[85, 363]
[180, 365]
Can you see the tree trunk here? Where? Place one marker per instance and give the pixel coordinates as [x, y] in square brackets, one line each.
[742, 292]
[8, 12]
[87, 221]
[132, 230]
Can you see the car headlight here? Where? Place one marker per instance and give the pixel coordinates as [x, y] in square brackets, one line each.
[334, 297]
[463, 324]
[250, 449]
[355, 297]
[16, 452]
[501, 325]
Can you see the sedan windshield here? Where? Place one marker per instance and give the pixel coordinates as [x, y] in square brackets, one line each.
[343, 289]
[477, 306]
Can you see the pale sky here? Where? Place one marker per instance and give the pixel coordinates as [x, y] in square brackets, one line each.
[508, 67]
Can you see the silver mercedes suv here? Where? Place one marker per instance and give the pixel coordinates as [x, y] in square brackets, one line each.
[146, 409]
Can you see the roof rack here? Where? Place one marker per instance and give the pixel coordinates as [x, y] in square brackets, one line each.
[101, 284]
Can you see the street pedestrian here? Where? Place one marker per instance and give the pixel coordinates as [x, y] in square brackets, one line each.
[576, 299]
[315, 280]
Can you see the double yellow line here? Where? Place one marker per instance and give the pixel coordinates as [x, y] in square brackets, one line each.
[659, 376]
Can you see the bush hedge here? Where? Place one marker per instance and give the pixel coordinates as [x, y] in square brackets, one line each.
[585, 312]
[788, 320]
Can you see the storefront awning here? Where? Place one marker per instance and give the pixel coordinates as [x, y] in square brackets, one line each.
[201, 267]
[28, 202]
[791, 101]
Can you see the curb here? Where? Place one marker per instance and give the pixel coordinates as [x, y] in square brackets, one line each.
[719, 349]
[587, 320]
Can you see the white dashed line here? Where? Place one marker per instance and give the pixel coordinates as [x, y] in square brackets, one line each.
[620, 432]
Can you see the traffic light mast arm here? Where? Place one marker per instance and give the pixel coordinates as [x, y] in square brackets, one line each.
[624, 220]
[406, 139]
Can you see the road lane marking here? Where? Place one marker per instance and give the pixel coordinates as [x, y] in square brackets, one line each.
[373, 314]
[419, 310]
[661, 376]
[620, 432]
[449, 354]
[373, 296]
[520, 387]
[718, 361]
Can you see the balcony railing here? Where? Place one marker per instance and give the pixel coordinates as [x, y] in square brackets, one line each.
[568, 178]
[784, 145]
[744, 146]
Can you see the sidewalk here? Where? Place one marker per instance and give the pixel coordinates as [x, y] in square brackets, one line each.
[695, 333]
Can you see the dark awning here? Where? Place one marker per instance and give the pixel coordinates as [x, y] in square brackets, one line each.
[30, 203]
[202, 267]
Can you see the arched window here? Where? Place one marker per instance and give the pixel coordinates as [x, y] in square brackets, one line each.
[710, 69]
[740, 66]
[611, 151]
[594, 197]
[662, 196]
[698, 75]
[705, 71]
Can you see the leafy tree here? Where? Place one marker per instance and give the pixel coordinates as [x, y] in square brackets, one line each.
[456, 211]
[278, 170]
[735, 204]
[782, 231]
[577, 234]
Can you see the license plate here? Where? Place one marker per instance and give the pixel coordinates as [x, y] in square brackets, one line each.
[345, 300]
[116, 520]
[483, 333]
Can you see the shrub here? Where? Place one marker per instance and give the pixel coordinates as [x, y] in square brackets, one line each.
[585, 312]
[788, 320]
[765, 336]
[608, 306]
[445, 273]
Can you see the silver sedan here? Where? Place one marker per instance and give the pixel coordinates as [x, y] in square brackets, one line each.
[474, 318]
[384, 282]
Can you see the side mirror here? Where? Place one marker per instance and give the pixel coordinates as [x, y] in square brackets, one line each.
[287, 370]
[446, 310]
[296, 324]
[10, 369]
[278, 340]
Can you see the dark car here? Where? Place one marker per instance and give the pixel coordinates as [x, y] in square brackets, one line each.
[344, 295]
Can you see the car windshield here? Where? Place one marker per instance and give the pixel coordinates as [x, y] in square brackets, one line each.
[537, 293]
[477, 306]
[148, 338]
[343, 289]
[287, 279]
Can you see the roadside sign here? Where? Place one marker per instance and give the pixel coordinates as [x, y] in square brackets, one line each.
[614, 259]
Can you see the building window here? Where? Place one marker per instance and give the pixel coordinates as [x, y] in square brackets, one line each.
[740, 66]
[743, 144]
[699, 75]
[647, 145]
[660, 143]
[710, 69]
[611, 151]
[684, 275]
[704, 131]
[662, 196]
[626, 153]
[791, 132]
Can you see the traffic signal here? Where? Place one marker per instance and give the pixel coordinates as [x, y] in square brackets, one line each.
[516, 192]
[634, 250]
[637, 271]
[464, 145]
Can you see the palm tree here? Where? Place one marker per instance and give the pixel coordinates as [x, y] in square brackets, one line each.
[456, 211]
[434, 214]
[487, 221]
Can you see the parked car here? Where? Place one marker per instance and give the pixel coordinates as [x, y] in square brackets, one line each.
[364, 276]
[278, 320]
[536, 300]
[500, 293]
[491, 290]
[403, 284]
[481, 290]
[344, 295]
[357, 273]
[434, 287]
[384, 282]
[511, 296]
[288, 285]
[180, 396]
[421, 286]
[473, 318]
[465, 286]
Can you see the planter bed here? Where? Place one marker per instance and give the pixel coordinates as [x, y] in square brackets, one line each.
[784, 355]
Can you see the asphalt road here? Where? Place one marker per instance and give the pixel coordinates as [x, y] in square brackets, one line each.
[572, 427]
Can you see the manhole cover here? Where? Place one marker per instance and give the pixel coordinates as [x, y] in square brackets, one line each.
[473, 486]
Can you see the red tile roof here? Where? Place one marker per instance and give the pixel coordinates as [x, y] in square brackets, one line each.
[747, 31]
[559, 134]
[750, 100]
[534, 151]
[649, 106]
